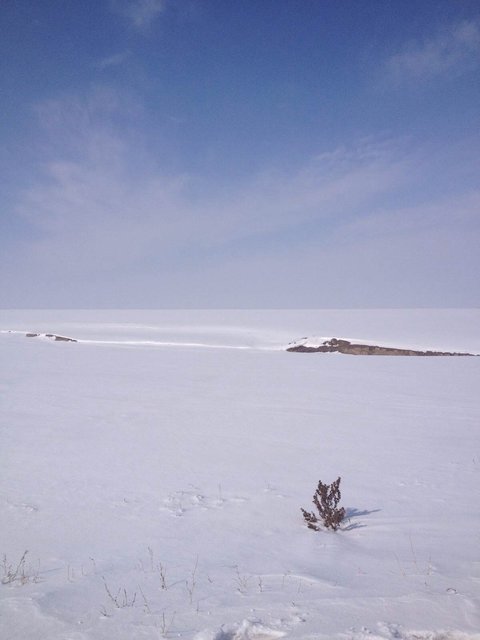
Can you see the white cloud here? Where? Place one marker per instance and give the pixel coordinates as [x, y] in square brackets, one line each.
[140, 13]
[451, 51]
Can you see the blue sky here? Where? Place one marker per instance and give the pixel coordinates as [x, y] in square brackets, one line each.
[267, 153]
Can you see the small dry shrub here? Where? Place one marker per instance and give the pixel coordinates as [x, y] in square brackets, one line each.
[18, 573]
[326, 499]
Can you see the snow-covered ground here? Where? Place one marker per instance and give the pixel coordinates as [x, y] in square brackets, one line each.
[155, 472]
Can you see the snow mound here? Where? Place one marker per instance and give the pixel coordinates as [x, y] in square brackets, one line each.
[387, 631]
[247, 630]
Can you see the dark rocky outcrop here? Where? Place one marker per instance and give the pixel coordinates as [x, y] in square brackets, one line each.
[335, 345]
[52, 336]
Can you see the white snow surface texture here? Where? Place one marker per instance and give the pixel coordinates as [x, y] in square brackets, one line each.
[155, 470]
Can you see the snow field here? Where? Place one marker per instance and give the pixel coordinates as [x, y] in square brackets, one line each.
[158, 489]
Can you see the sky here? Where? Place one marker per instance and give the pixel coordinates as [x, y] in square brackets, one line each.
[239, 153]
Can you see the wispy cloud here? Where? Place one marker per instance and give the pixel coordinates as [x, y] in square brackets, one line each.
[107, 223]
[114, 60]
[140, 13]
[100, 187]
[451, 51]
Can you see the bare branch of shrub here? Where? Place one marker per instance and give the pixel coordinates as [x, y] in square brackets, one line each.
[192, 583]
[121, 599]
[165, 625]
[241, 581]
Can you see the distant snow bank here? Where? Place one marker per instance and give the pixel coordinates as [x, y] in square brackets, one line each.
[350, 346]
[420, 329]
[128, 343]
